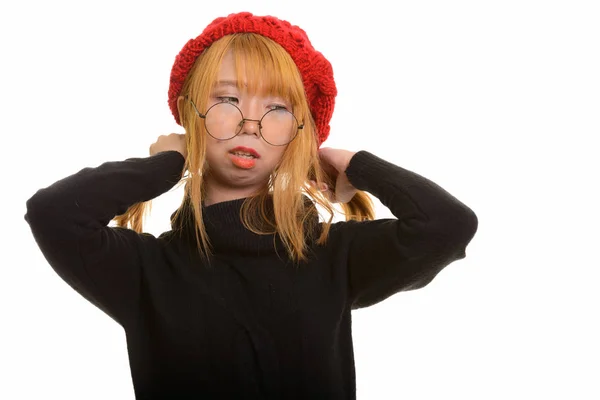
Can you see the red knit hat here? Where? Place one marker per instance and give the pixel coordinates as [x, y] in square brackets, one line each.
[316, 71]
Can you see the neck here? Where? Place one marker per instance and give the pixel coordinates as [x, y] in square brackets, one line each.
[227, 232]
[218, 193]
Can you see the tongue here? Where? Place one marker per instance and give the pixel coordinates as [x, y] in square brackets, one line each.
[243, 162]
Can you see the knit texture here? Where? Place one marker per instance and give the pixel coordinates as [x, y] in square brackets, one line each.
[252, 326]
[316, 71]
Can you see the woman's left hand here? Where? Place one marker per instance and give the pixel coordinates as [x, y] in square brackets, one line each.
[334, 162]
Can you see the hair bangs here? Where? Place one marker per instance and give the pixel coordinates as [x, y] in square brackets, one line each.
[266, 68]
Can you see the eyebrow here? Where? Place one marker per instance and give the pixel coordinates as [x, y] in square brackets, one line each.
[233, 83]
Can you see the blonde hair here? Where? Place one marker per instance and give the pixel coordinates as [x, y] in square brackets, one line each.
[265, 61]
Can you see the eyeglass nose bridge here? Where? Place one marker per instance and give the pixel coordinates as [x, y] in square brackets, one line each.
[243, 121]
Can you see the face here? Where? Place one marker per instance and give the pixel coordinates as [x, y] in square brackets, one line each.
[228, 167]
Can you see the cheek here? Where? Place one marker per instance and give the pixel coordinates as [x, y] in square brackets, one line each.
[210, 155]
[275, 157]
[215, 150]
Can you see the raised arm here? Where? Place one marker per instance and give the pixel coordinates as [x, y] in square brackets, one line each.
[431, 230]
[69, 221]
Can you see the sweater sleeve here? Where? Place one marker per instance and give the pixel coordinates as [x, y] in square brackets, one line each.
[431, 230]
[69, 221]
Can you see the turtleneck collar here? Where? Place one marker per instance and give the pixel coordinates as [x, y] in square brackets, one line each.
[226, 230]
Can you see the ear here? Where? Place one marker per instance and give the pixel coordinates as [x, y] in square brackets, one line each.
[180, 101]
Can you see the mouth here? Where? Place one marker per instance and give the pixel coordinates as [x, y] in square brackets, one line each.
[246, 152]
[244, 162]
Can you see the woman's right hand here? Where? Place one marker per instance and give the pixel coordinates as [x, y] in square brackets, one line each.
[173, 141]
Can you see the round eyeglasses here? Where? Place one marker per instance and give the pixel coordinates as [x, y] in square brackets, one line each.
[224, 121]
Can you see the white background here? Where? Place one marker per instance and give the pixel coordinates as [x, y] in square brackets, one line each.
[496, 101]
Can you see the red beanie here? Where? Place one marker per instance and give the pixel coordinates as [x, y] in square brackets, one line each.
[316, 71]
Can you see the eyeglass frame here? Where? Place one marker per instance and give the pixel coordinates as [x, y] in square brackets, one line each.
[243, 121]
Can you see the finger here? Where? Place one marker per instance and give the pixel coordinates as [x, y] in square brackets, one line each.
[321, 188]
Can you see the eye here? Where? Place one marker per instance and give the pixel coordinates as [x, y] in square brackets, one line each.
[227, 99]
[277, 107]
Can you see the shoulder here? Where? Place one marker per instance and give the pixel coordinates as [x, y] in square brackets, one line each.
[340, 231]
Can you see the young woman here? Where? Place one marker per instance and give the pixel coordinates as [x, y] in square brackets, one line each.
[249, 295]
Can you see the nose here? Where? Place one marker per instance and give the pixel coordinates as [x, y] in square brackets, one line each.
[250, 126]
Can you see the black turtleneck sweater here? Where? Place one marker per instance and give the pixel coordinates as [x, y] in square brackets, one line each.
[252, 325]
